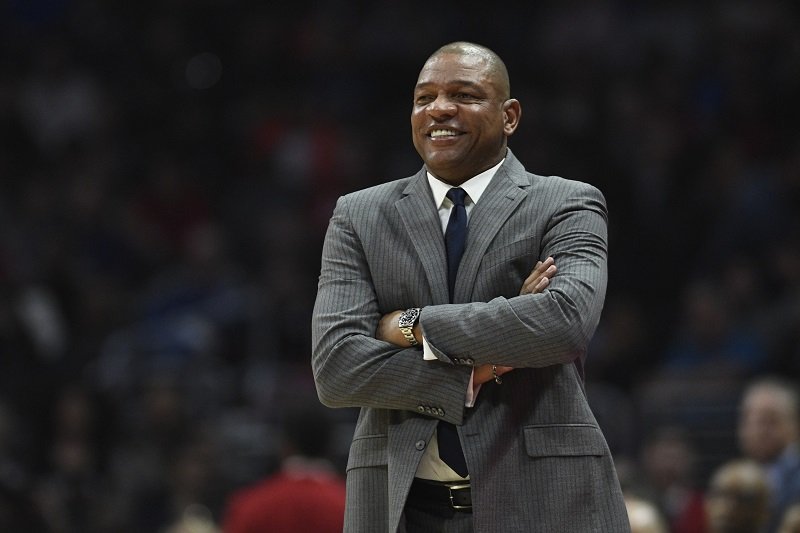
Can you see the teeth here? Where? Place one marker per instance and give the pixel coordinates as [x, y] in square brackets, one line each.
[443, 133]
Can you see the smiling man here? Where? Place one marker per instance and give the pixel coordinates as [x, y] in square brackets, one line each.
[440, 313]
[463, 113]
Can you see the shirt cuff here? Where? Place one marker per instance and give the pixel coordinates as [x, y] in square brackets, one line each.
[472, 395]
[427, 352]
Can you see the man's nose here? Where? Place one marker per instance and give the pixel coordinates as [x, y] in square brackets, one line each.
[442, 107]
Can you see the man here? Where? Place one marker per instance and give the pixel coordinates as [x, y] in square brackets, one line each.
[769, 433]
[738, 498]
[306, 494]
[434, 316]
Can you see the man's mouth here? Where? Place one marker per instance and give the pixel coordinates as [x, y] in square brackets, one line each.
[443, 134]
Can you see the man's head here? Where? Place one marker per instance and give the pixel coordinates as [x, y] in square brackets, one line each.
[644, 516]
[463, 112]
[737, 500]
[768, 421]
[307, 431]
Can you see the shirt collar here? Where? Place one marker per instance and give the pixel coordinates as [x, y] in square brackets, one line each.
[474, 186]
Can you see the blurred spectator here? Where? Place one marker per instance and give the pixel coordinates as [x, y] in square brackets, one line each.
[769, 433]
[738, 498]
[59, 102]
[617, 347]
[644, 516]
[18, 511]
[791, 520]
[187, 492]
[305, 495]
[711, 340]
[73, 495]
[195, 519]
[668, 459]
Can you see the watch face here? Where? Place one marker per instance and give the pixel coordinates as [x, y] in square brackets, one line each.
[408, 318]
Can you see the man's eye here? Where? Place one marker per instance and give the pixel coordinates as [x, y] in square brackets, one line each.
[465, 96]
[425, 99]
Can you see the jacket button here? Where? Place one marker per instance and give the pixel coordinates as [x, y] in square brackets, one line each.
[420, 409]
[420, 445]
[440, 412]
[470, 361]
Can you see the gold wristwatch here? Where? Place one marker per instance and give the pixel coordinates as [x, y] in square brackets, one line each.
[406, 322]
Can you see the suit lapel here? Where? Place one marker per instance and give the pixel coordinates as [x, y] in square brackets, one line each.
[421, 219]
[498, 202]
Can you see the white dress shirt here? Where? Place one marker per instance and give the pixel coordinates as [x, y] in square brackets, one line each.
[431, 466]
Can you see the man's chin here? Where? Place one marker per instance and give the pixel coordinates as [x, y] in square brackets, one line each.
[440, 161]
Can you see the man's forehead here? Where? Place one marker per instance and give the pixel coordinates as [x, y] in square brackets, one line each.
[450, 60]
[456, 68]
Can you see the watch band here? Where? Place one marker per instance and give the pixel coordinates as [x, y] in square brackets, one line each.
[408, 333]
[406, 323]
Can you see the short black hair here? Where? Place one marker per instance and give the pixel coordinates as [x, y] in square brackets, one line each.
[308, 430]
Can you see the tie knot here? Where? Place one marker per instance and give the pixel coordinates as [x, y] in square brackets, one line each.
[457, 195]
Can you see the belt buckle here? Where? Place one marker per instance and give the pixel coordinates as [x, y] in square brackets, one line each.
[458, 486]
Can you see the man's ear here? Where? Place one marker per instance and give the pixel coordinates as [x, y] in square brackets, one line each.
[512, 112]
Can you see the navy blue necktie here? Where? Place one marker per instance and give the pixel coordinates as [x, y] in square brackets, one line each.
[455, 239]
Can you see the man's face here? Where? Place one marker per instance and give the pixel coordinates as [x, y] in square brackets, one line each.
[766, 425]
[737, 500]
[461, 118]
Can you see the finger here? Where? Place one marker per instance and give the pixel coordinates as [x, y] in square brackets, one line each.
[542, 285]
[536, 272]
[482, 374]
[537, 283]
[532, 279]
[548, 262]
[503, 370]
[540, 268]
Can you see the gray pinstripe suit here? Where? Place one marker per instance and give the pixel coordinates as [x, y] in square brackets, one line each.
[537, 459]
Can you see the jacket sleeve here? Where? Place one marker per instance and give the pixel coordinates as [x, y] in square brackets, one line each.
[537, 330]
[351, 367]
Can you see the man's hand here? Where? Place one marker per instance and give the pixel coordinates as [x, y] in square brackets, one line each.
[389, 330]
[539, 278]
[536, 282]
[483, 373]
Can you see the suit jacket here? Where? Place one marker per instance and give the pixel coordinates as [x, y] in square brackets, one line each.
[537, 458]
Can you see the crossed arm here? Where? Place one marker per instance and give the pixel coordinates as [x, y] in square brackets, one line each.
[354, 367]
[536, 282]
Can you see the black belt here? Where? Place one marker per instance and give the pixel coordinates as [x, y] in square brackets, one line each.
[455, 495]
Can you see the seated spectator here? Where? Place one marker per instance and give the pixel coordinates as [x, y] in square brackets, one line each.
[769, 433]
[668, 461]
[738, 498]
[713, 340]
[791, 520]
[306, 495]
[644, 516]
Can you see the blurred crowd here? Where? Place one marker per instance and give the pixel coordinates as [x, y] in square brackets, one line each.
[167, 170]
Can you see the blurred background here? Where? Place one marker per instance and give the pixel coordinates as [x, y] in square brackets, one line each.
[167, 171]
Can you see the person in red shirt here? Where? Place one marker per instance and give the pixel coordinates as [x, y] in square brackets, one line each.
[306, 494]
